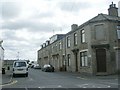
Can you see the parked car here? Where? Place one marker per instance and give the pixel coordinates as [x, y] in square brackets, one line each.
[48, 68]
[20, 67]
[37, 67]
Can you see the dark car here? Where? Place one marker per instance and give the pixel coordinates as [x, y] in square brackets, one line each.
[48, 68]
[37, 67]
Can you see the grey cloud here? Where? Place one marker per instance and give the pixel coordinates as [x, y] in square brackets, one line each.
[44, 15]
[30, 25]
[9, 10]
[11, 36]
[73, 6]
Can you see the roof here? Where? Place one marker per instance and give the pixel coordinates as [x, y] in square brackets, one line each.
[101, 17]
[98, 18]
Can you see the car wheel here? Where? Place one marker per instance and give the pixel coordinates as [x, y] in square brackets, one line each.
[26, 75]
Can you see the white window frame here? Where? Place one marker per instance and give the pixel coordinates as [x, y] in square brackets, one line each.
[68, 41]
[83, 59]
[75, 39]
[83, 36]
[60, 45]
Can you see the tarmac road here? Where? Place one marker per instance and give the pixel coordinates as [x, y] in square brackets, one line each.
[40, 79]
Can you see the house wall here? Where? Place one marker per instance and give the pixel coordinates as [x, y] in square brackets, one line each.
[119, 8]
[98, 51]
[59, 59]
[1, 56]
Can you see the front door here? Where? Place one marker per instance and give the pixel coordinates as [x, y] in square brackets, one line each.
[76, 62]
[101, 60]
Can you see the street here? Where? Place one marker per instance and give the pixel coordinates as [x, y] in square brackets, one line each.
[40, 79]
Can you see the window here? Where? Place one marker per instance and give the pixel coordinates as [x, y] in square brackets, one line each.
[19, 64]
[83, 59]
[99, 32]
[118, 32]
[55, 47]
[60, 46]
[52, 49]
[83, 36]
[75, 39]
[68, 59]
[68, 41]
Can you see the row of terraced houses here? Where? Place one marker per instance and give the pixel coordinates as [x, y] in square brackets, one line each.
[91, 48]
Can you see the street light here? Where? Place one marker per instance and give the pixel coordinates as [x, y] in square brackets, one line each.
[18, 55]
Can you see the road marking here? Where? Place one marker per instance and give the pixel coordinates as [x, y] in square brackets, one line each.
[13, 82]
[108, 86]
[41, 87]
[98, 87]
[82, 85]
[59, 86]
[81, 78]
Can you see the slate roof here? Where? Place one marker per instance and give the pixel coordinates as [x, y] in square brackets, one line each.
[101, 17]
[98, 18]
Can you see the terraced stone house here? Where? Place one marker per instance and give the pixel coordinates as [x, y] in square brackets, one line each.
[91, 48]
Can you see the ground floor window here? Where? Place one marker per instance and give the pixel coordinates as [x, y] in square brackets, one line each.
[83, 59]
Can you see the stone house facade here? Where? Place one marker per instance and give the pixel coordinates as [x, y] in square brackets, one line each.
[91, 48]
[1, 55]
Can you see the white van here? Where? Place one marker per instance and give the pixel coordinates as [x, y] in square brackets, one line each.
[20, 67]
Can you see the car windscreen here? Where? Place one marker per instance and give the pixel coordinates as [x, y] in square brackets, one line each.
[20, 64]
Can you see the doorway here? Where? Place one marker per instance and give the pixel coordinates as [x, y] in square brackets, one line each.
[101, 60]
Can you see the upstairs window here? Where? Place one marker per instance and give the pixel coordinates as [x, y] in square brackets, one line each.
[118, 32]
[60, 45]
[68, 41]
[83, 36]
[55, 47]
[100, 32]
[75, 39]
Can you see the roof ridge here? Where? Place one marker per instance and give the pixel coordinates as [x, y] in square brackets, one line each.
[105, 16]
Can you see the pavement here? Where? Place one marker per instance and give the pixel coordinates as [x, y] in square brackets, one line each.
[7, 77]
[88, 76]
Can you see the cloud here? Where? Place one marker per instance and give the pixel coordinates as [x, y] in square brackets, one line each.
[44, 15]
[73, 6]
[30, 25]
[9, 10]
[15, 41]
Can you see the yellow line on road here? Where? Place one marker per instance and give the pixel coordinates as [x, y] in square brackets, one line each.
[13, 82]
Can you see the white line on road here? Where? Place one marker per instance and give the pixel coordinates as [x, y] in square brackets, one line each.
[41, 87]
[59, 86]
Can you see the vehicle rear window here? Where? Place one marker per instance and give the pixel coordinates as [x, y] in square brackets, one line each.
[20, 64]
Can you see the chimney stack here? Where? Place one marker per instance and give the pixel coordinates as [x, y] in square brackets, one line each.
[113, 10]
[74, 27]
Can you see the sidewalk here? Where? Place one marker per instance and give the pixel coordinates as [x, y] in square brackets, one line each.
[88, 76]
[7, 77]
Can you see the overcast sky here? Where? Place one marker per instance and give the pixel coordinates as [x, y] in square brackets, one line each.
[26, 24]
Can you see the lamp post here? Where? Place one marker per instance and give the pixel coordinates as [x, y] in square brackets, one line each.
[18, 55]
